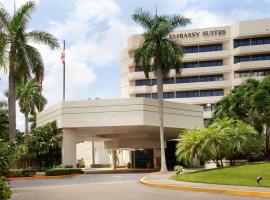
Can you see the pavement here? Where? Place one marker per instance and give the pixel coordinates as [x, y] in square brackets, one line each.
[104, 187]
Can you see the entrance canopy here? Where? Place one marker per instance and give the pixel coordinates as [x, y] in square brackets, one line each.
[120, 123]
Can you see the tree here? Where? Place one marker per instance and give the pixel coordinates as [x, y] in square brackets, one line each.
[30, 99]
[188, 146]
[224, 138]
[163, 52]
[3, 121]
[44, 144]
[261, 102]
[249, 102]
[17, 56]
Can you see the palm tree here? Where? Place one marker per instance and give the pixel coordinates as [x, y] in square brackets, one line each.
[30, 100]
[164, 53]
[17, 56]
[189, 145]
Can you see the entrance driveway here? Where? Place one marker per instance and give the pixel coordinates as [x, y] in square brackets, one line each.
[103, 187]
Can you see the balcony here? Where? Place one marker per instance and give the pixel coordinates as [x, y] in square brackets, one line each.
[252, 49]
[206, 55]
[251, 65]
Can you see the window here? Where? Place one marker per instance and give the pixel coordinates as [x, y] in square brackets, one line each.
[213, 47]
[201, 93]
[168, 95]
[210, 63]
[168, 81]
[190, 64]
[154, 95]
[258, 57]
[138, 69]
[203, 48]
[146, 95]
[252, 73]
[191, 49]
[192, 79]
[251, 41]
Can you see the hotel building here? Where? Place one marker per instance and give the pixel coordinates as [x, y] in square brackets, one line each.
[215, 60]
[125, 131]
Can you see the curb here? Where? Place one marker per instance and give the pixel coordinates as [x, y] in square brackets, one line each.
[42, 177]
[206, 189]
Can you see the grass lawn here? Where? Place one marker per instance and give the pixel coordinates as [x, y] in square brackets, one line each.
[237, 175]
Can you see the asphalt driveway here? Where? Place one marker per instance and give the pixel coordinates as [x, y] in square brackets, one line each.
[103, 187]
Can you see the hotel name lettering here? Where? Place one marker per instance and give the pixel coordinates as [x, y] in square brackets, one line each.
[197, 34]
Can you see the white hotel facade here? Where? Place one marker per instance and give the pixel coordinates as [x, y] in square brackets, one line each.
[126, 130]
[216, 60]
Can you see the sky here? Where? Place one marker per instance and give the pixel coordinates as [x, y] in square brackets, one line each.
[96, 30]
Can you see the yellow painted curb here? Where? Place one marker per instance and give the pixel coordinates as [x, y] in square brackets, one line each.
[206, 189]
[42, 177]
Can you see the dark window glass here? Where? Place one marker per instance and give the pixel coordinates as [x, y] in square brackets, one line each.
[190, 64]
[255, 73]
[138, 69]
[168, 81]
[252, 41]
[211, 63]
[213, 47]
[168, 95]
[191, 49]
[154, 81]
[146, 95]
[181, 95]
[154, 95]
[238, 59]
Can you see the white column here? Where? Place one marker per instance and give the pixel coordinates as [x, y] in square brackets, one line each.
[130, 158]
[114, 159]
[69, 148]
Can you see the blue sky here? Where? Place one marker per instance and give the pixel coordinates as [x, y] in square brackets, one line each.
[97, 30]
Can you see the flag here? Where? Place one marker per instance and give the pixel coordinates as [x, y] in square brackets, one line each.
[63, 57]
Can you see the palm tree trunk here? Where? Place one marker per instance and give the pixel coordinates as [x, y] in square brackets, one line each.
[12, 97]
[161, 117]
[26, 122]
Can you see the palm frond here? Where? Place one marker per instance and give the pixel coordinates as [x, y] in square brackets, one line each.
[43, 37]
[144, 18]
[21, 17]
[4, 20]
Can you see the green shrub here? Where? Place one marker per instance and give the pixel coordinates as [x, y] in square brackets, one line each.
[21, 172]
[79, 165]
[5, 192]
[62, 171]
[178, 168]
[68, 166]
[101, 166]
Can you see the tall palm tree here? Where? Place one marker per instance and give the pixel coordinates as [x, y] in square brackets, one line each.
[165, 54]
[17, 56]
[30, 100]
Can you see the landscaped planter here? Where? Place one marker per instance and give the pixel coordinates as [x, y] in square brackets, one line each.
[211, 165]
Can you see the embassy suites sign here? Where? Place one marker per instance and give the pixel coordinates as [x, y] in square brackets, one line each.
[197, 34]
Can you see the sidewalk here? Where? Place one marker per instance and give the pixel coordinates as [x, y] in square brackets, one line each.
[162, 180]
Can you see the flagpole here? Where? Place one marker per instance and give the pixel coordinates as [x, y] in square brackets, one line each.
[64, 72]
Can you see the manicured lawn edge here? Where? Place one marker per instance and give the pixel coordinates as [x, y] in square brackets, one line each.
[243, 175]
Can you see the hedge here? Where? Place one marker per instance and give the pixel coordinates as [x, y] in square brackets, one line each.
[21, 172]
[62, 171]
[101, 166]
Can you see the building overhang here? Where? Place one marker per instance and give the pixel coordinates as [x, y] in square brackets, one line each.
[131, 119]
